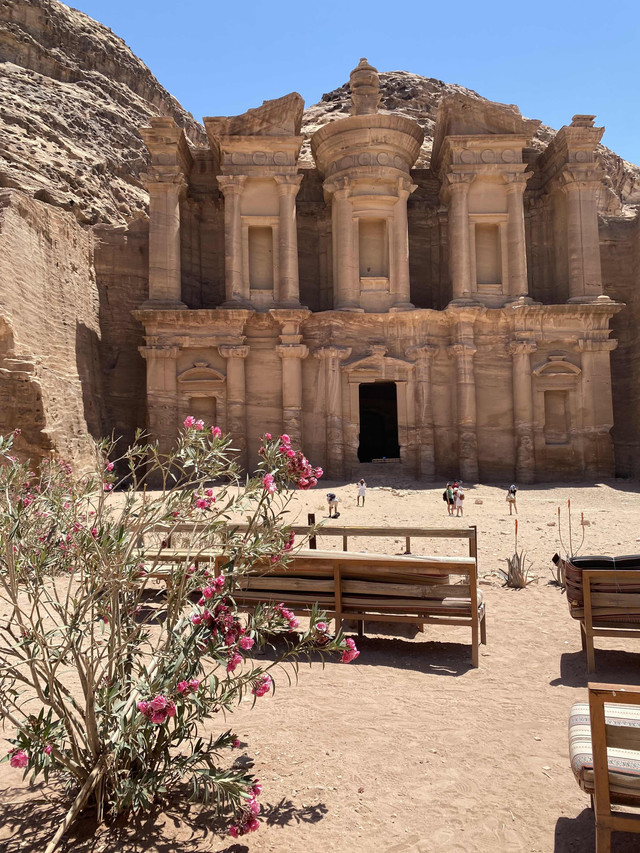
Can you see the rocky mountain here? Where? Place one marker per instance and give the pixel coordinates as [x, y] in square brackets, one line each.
[72, 96]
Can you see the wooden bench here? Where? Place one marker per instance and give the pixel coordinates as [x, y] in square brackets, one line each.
[603, 594]
[373, 588]
[604, 747]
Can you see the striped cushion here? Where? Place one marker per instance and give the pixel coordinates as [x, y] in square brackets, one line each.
[624, 764]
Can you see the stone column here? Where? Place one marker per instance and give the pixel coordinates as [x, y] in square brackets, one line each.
[423, 357]
[459, 257]
[402, 284]
[162, 394]
[516, 238]
[525, 471]
[467, 417]
[236, 397]
[289, 289]
[583, 241]
[597, 407]
[346, 279]
[331, 358]
[165, 275]
[236, 289]
[292, 355]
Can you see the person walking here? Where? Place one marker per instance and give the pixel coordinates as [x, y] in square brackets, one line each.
[511, 499]
[332, 500]
[459, 505]
[362, 491]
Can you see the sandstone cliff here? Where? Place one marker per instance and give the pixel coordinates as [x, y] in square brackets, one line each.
[72, 96]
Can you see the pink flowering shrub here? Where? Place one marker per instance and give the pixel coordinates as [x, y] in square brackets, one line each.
[78, 563]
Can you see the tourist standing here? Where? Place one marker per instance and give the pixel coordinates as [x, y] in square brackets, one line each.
[511, 499]
[448, 496]
[362, 491]
[459, 505]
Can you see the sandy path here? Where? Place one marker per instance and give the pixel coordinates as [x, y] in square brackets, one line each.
[409, 750]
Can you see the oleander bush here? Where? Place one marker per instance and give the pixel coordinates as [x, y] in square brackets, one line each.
[106, 681]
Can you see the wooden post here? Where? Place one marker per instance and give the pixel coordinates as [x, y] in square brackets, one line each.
[311, 520]
[345, 543]
[407, 544]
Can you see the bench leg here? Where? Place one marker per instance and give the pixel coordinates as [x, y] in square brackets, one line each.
[603, 839]
[483, 630]
[475, 650]
[360, 628]
[583, 637]
[591, 655]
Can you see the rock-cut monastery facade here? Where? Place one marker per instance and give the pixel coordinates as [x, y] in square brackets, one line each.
[451, 320]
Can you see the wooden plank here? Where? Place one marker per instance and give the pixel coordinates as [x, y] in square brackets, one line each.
[278, 582]
[403, 604]
[622, 737]
[268, 595]
[408, 590]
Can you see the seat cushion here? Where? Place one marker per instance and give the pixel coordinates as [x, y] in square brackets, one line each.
[624, 764]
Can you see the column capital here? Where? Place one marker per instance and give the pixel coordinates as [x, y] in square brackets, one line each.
[589, 345]
[148, 352]
[339, 353]
[233, 351]
[292, 351]
[163, 177]
[577, 179]
[462, 351]
[339, 187]
[516, 182]
[521, 347]
[458, 180]
[287, 184]
[231, 184]
[424, 351]
[406, 187]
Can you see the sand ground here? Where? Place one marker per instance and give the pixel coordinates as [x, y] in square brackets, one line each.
[409, 749]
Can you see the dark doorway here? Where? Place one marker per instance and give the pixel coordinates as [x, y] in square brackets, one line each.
[378, 421]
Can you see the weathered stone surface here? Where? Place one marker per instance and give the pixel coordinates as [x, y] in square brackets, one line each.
[50, 377]
[72, 97]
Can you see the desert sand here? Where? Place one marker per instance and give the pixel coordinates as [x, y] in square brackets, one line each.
[409, 749]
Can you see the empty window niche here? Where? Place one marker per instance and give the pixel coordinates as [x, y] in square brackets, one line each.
[260, 258]
[488, 254]
[203, 408]
[556, 417]
[373, 248]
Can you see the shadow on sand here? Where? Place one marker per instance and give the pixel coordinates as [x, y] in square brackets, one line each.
[613, 667]
[175, 827]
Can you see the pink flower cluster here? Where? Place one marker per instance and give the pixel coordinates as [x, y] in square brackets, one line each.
[191, 423]
[268, 484]
[188, 686]
[158, 710]
[287, 615]
[299, 468]
[19, 758]
[322, 636]
[205, 501]
[216, 432]
[247, 819]
[291, 538]
[350, 653]
[223, 626]
[262, 685]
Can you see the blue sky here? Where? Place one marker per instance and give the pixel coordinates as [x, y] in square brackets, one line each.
[552, 59]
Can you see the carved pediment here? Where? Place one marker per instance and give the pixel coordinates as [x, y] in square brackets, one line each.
[379, 365]
[201, 372]
[557, 366]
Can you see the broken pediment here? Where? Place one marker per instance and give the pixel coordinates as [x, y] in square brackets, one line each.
[279, 117]
[378, 366]
[463, 115]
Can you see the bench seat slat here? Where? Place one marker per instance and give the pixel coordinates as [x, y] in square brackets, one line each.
[408, 590]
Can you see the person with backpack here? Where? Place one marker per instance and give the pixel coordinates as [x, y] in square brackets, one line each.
[511, 499]
[447, 496]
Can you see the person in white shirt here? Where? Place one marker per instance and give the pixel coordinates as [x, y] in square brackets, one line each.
[362, 491]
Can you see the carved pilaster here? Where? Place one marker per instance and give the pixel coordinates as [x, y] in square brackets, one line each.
[518, 286]
[581, 186]
[162, 394]
[236, 396]
[423, 358]
[463, 354]
[459, 249]
[287, 187]
[232, 187]
[521, 350]
[402, 284]
[597, 406]
[331, 356]
[292, 356]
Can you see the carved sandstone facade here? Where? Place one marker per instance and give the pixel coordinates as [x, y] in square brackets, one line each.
[452, 318]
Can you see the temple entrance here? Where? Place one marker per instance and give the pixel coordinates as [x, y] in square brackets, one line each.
[378, 421]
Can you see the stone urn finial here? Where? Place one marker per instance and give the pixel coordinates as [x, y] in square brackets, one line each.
[365, 89]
